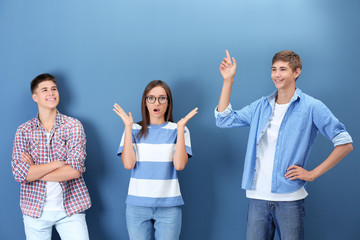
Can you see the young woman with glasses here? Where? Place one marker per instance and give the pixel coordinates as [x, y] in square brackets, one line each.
[154, 149]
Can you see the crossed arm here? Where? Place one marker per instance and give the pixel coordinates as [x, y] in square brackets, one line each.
[24, 168]
[55, 171]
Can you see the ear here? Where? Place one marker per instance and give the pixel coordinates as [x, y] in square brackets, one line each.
[297, 72]
[34, 97]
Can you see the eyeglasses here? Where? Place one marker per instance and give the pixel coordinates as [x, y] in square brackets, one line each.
[152, 99]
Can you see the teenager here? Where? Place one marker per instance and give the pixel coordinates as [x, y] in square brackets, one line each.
[48, 160]
[154, 149]
[283, 128]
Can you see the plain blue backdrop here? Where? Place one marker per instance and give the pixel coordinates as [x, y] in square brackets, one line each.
[102, 52]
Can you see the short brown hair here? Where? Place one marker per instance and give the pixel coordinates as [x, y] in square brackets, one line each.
[41, 78]
[288, 56]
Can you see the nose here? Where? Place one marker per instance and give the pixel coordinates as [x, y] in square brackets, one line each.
[277, 73]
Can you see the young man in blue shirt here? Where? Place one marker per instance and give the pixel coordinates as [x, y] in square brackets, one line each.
[283, 128]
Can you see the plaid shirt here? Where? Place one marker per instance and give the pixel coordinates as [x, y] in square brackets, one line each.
[67, 144]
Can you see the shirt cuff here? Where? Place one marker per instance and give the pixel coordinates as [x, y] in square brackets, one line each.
[341, 139]
[224, 113]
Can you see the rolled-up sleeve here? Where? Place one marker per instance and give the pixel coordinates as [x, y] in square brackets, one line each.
[341, 139]
[235, 118]
[224, 113]
[77, 148]
[329, 126]
[20, 168]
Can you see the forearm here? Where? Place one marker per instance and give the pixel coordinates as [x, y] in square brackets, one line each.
[36, 172]
[334, 158]
[180, 158]
[225, 95]
[62, 174]
[128, 155]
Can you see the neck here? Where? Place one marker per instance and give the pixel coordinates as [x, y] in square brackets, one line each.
[157, 121]
[284, 95]
[47, 118]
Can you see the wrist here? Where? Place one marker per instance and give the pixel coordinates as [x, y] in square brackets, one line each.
[128, 128]
[181, 129]
[229, 80]
[314, 174]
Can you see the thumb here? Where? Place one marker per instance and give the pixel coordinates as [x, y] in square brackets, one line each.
[234, 62]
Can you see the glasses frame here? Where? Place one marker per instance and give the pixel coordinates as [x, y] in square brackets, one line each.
[156, 98]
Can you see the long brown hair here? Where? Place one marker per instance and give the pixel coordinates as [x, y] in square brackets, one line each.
[145, 112]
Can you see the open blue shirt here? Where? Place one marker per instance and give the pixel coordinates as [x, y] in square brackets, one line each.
[304, 118]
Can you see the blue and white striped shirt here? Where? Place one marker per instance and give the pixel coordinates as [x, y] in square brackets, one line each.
[304, 118]
[154, 181]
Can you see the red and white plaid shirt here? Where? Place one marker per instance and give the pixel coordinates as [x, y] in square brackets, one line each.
[67, 144]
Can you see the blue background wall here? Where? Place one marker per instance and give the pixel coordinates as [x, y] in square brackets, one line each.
[107, 51]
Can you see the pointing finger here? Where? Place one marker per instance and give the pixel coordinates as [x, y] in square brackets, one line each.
[228, 55]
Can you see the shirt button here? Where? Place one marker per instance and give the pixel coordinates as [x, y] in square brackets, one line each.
[262, 131]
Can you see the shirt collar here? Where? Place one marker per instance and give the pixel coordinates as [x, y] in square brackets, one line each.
[272, 96]
[58, 121]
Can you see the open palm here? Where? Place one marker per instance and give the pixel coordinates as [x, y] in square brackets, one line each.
[127, 119]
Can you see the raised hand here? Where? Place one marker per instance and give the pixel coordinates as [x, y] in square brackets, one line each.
[127, 119]
[182, 122]
[228, 68]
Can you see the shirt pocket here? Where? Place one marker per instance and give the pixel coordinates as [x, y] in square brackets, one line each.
[60, 148]
[297, 121]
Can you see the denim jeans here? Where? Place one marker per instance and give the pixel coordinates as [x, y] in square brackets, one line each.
[69, 228]
[266, 216]
[145, 223]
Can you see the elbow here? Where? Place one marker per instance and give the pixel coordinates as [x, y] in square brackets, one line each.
[350, 147]
[129, 166]
[19, 177]
[129, 163]
[179, 166]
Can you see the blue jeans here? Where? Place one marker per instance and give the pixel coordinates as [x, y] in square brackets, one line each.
[145, 223]
[266, 216]
[73, 227]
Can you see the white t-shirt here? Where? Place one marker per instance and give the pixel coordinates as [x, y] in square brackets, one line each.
[54, 194]
[265, 163]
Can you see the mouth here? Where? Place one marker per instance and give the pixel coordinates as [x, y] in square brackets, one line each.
[51, 99]
[156, 110]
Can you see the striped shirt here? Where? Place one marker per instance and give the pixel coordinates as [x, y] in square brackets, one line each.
[154, 181]
[67, 144]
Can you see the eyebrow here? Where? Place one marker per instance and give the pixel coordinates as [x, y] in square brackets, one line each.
[48, 87]
[279, 67]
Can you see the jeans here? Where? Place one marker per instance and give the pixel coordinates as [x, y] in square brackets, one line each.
[266, 216]
[145, 223]
[69, 228]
